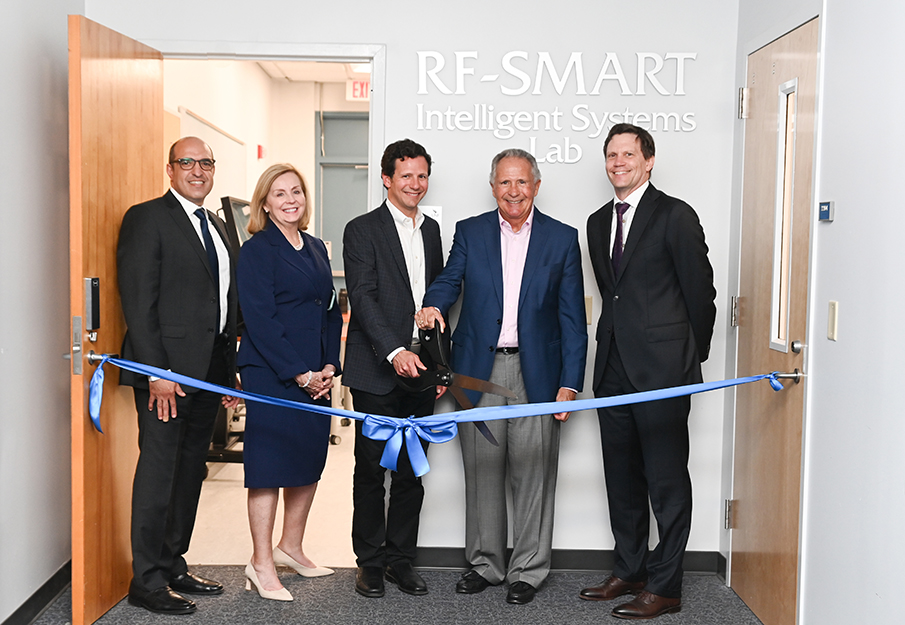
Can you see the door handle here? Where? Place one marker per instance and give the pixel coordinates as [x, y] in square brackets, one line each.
[797, 347]
[795, 376]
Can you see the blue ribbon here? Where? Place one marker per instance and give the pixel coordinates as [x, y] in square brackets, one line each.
[438, 428]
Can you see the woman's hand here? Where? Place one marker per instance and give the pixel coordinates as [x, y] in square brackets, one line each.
[317, 383]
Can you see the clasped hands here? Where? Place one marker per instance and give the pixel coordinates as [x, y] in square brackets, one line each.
[317, 383]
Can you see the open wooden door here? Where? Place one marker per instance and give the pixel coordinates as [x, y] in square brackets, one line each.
[115, 147]
[776, 209]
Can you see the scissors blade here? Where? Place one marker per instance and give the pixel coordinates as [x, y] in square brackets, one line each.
[475, 384]
[463, 400]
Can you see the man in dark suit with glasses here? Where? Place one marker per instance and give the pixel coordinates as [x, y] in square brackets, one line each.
[179, 300]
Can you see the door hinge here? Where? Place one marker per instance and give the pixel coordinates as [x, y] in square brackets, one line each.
[733, 311]
[728, 514]
[743, 102]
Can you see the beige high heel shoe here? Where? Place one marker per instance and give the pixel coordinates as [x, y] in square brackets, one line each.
[251, 577]
[281, 558]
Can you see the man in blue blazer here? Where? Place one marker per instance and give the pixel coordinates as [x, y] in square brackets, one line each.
[656, 283]
[522, 325]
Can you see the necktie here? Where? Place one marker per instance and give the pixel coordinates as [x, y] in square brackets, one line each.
[621, 207]
[211, 255]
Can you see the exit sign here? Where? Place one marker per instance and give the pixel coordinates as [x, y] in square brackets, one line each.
[358, 90]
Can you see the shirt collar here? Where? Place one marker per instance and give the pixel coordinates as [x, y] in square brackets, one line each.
[188, 206]
[634, 197]
[401, 218]
[506, 226]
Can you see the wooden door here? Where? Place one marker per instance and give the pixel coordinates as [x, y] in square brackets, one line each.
[779, 147]
[115, 147]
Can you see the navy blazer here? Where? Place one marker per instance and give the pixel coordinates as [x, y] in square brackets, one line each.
[661, 305]
[553, 338]
[292, 319]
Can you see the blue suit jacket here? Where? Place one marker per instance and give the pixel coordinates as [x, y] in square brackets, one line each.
[552, 329]
[290, 325]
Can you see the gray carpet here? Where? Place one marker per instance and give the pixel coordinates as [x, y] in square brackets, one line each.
[330, 600]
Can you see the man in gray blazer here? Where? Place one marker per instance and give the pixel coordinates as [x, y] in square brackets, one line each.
[178, 296]
[391, 255]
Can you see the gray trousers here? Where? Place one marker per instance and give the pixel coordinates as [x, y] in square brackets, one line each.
[529, 454]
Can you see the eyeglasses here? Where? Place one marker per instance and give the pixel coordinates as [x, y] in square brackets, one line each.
[186, 163]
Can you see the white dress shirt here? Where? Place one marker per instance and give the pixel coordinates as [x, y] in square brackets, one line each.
[632, 200]
[409, 231]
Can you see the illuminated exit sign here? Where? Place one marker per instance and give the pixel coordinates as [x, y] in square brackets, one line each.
[358, 90]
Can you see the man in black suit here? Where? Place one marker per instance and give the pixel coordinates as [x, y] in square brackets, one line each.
[650, 262]
[179, 301]
[391, 255]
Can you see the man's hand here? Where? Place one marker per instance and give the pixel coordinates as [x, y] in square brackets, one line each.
[440, 391]
[407, 364]
[427, 317]
[164, 392]
[228, 400]
[564, 394]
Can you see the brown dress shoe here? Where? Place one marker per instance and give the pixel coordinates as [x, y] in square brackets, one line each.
[647, 605]
[610, 588]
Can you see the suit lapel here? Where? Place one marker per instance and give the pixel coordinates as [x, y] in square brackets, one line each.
[494, 253]
[532, 259]
[643, 213]
[187, 228]
[300, 262]
[392, 240]
[606, 228]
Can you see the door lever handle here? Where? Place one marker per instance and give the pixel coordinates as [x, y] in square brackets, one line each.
[94, 358]
[795, 376]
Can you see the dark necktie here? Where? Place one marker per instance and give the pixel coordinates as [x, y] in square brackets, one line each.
[621, 207]
[211, 256]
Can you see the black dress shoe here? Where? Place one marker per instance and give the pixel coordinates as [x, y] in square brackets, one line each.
[369, 581]
[471, 583]
[521, 593]
[194, 585]
[163, 601]
[403, 575]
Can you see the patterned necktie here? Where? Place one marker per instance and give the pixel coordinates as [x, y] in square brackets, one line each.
[621, 207]
[211, 255]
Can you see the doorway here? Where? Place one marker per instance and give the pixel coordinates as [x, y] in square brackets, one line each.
[773, 301]
[104, 65]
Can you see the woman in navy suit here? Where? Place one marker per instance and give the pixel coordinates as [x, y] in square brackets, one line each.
[290, 349]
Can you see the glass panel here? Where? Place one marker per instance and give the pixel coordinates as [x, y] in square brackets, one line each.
[782, 242]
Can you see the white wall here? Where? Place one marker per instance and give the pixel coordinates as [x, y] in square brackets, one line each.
[34, 282]
[691, 165]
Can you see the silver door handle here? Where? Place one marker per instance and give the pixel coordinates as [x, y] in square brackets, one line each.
[795, 376]
[94, 358]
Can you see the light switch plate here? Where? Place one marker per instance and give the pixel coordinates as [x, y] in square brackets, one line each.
[832, 324]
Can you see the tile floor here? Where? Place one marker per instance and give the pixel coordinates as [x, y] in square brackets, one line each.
[221, 530]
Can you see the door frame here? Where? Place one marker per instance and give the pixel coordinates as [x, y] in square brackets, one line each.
[776, 31]
[375, 54]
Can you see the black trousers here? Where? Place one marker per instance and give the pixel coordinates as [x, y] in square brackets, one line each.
[168, 477]
[385, 534]
[645, 457]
